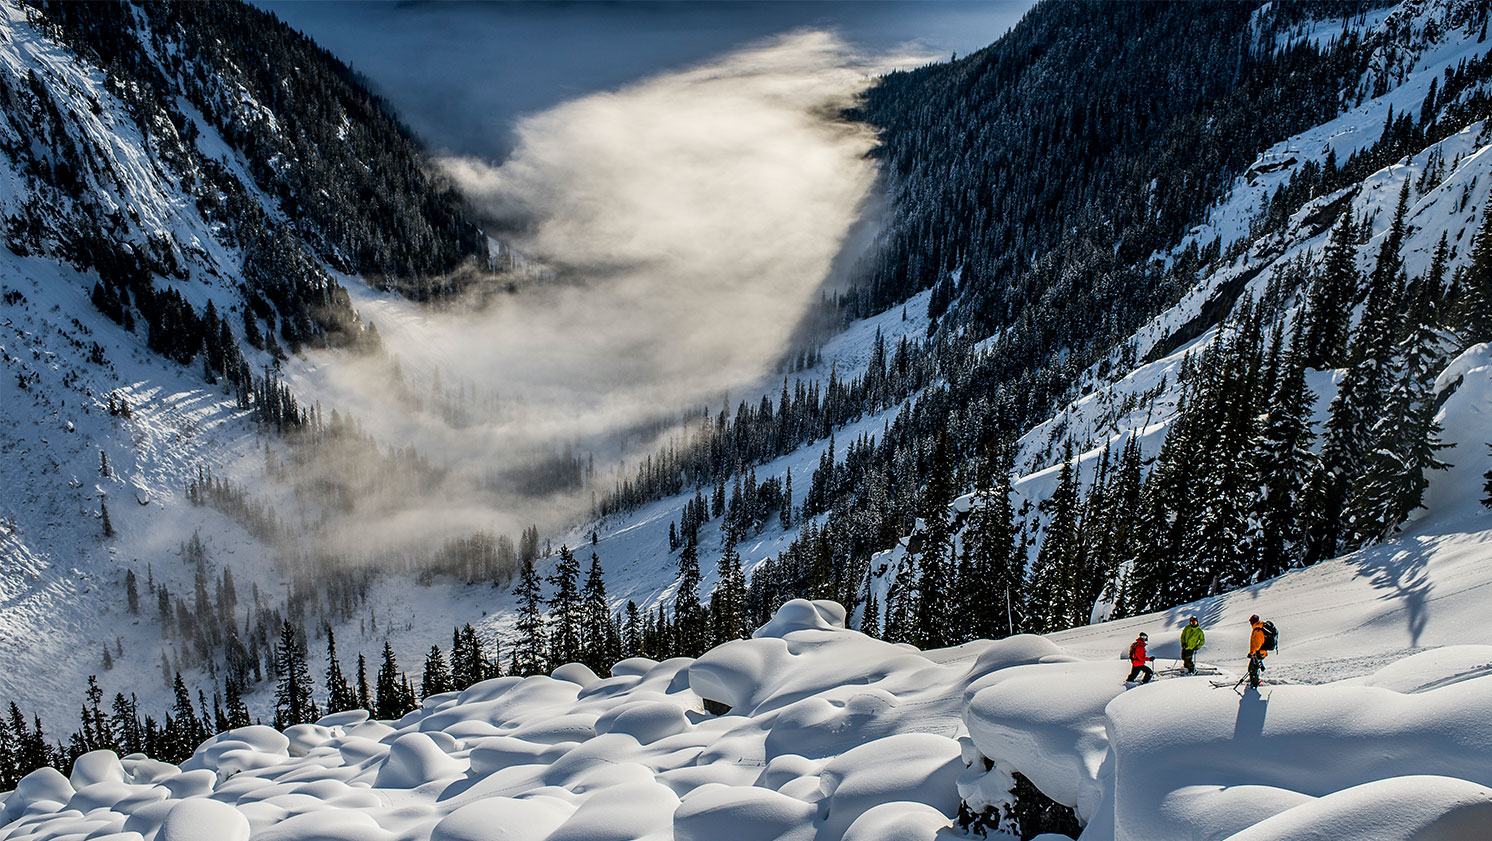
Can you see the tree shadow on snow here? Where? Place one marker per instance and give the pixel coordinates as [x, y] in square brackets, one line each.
[1402, 573]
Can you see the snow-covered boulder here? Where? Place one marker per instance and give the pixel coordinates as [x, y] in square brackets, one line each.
[200, 819]
[44, 785]
[1192, 760]
[918, 767]
[803, 615]
[1048, 722]
[742, 813]
[415, 759]
[98, 766]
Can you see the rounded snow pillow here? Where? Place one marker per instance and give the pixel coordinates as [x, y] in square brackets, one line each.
[415, 759]
[97, 766]
[898, 821]
[576, 673]
[502, 819]
[645, 721]
[1413, 808]
[742, 813]
[804, 615]
[42, 784]
[200, 819]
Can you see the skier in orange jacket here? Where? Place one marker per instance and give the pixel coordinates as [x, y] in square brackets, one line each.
[1257, 653]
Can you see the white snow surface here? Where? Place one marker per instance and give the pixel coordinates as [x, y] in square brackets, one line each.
[1384, 735]
[833, 735]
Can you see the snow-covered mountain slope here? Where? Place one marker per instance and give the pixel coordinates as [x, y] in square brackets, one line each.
[832, 735]
[65, 598]
[1136, 390]
[1377, 725]
[116, 186]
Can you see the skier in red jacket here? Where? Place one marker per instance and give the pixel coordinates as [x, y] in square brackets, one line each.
[1138, 659]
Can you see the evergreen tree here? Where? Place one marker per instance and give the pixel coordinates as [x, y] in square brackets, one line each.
[995, 571]
[340, 696]
[1283, 454]
[1360, 401]
[31, 748]
[391, 701]
[1487, 488]
[1168, 513]
[183, 731]
[238, 712]
[437, 676]
[1390, 264]
[97, 732]
[1224, 418]
[728, 599]
[1119, 524]
[602, 642]
[529, 652]
[104, 515]
[936, 564]
[1050, 603]
[786, 512]
[293, 701]
[1405, 437]
[870, 617]
[688, 613]
[897, 624]
[406, 694]
[632, 631]
[1329, 309]
[565, 615]
[132, 592]
[1349, 437]
[469, 661]
[364, 694]
[1472, 318]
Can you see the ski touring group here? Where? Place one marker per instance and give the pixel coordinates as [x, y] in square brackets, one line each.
[1263, 638]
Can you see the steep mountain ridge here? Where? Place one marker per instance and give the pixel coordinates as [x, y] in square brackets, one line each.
[176, 214]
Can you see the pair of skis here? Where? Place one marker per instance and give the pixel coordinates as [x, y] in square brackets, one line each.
[1202, 671]
[1263, 681]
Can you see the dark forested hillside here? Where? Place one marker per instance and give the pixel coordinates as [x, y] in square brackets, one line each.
[347, 174]
[1044, 170]
[1045, 189]
[1052, 163]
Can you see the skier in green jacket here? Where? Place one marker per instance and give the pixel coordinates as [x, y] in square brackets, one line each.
[1192, 639]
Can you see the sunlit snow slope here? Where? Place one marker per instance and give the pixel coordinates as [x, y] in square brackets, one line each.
[1378, 724]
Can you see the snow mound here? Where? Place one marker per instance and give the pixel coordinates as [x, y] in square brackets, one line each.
[832, 736]
[803, 615]
[201, 819]
[1417, 808]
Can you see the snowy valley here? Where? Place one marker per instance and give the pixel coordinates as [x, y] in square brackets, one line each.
[890, 604]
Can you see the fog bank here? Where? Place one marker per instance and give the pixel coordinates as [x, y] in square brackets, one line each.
[690, 220]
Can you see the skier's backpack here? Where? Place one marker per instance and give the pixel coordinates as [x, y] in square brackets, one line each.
[1271, 637]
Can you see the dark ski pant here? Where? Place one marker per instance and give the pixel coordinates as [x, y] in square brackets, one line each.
[1256, 665]
[1186, 659]
[1135, 672]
